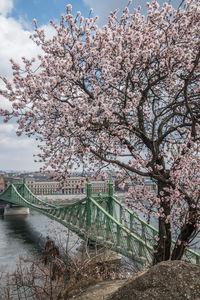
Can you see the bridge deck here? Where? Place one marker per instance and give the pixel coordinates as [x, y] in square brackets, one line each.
[100, 218]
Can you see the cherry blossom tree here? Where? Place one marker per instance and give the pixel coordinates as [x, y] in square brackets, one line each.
[124, 97]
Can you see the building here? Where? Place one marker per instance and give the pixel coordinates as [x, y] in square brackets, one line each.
[2, 184]
[72, 186]
[5, 181]
[99, 186]
[150, 185]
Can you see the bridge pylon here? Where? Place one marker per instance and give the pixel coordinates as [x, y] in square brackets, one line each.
[110, 198]
[88, 206]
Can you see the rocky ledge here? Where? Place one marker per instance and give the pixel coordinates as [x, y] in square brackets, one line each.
[169, 280]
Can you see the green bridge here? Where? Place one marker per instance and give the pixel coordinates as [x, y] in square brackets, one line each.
[99, 218]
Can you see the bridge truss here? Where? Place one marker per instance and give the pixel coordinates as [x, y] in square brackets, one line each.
[99, 218]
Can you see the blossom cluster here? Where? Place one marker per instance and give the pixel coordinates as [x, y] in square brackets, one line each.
[125, 96]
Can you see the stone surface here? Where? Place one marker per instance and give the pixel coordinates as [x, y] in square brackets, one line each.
[100, 254]
[16, 210]
[170, 280]
[99, 291]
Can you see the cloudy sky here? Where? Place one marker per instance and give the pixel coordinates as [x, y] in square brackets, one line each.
[15, 27]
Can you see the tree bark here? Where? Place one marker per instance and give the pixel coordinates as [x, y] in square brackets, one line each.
[186, 233]
[163, 246]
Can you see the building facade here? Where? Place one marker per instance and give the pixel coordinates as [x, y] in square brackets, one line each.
[2, 184]
[99, 186]
[149, 184]
[72, 186]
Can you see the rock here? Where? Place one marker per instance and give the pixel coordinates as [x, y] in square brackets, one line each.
[99, 291]
[169, 280]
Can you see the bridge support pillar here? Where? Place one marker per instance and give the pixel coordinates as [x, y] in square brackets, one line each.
[110, 199]
[15, 210]
[88, 206]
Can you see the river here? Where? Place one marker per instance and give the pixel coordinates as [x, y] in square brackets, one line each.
[25, 235]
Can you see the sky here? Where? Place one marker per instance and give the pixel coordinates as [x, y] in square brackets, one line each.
[16, 25]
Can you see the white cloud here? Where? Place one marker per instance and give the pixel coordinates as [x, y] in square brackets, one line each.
[6, 7]
[9, 140]
[15, 152]
[7, 128]
[15, 43]
[9, 143]
[19, 159]
[49, 31]
[4, 103]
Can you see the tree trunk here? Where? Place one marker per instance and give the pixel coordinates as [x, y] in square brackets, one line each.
[182, 240]
[163, 246]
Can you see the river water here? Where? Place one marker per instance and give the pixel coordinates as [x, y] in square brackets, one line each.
[25, 235]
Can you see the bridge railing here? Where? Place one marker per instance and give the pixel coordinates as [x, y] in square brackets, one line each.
[90, 220]
[33, 198]
[145, 230]
[134, 223]
[19, 199]
[115, 235]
